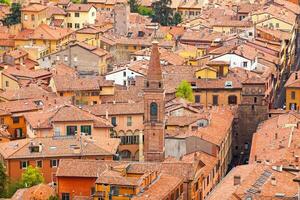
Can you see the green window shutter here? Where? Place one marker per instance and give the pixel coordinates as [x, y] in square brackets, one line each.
[89, 130]
[68, 130]
[86, 129]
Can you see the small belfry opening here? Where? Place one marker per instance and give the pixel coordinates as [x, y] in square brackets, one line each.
[153, 111]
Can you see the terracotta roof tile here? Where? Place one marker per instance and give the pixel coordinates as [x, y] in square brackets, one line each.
[55, 147]
[294, 80]
[79, 8]
[34, 8]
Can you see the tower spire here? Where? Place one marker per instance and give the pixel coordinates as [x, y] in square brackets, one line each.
[154, 70]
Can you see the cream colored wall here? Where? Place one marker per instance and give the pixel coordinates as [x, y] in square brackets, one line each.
[84, 18]
[12, 84]
[281, 25]
[109, 90]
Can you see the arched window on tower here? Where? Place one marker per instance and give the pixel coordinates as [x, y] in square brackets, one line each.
[153, 111]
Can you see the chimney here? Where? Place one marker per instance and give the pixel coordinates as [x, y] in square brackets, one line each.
[195, 156]
[236, 180]
[273, 181]
[106, 114]
[40, 147]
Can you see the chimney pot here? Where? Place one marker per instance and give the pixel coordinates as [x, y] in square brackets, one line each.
[236, 180]
[273, 181]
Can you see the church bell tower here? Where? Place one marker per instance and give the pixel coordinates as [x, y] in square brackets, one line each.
[154, 109]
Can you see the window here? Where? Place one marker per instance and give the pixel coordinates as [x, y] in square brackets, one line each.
[56, 131]
[95, 94]
[32, 17]
[250, 34]
[39, 163]
[75, 58]
[293, 95]
[293, 106]
[76, 14]
[16, 120]
[232, 99]
[246, 146]
[114, 190]
[18, 133]
[197, 98]
[53, 163]
[114, 121]
[57, 58]
[124, 74]
[25, 17]
[277, 25]
[215, 100]
[255, 99]
[93, 14]
[66, 58]
[86, 129]
[153, 111]
[1, 120]
[77, 25]
[24, 164]
[65, 196]
[71, 130]
[245, 64]
[69, 25]
[129, 121]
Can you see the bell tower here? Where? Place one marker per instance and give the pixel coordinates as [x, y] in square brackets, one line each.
[154, 109]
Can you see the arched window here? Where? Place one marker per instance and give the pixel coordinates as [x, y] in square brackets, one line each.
[232, 99]
[153, 111]
[125, 154]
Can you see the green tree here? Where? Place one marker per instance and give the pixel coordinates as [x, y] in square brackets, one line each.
[32, 176]
[3, 180]
[145, 11]
[162, 13]
[77, 1]
[12, 187]
[185, 91]
[15, 16]
[134, 6]
[5, 2]
[176, 19]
